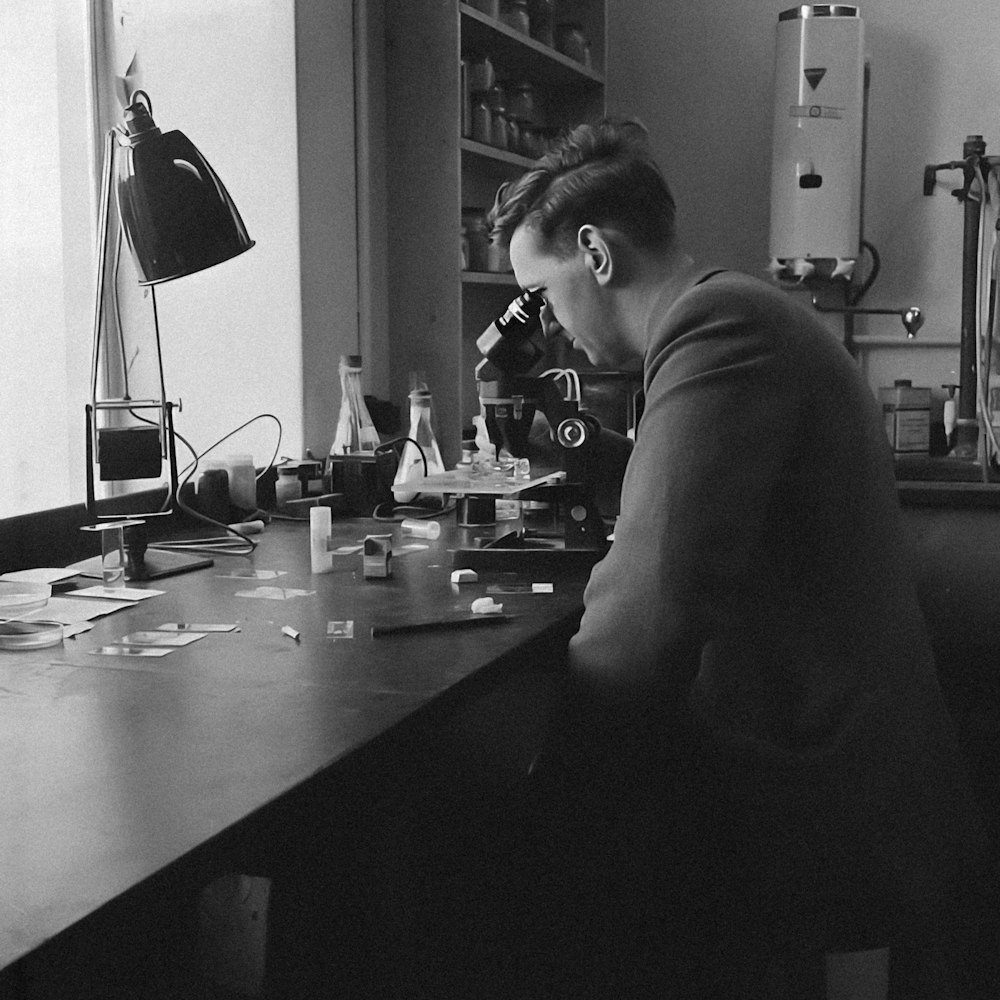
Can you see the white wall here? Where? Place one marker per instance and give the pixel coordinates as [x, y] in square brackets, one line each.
[699, 75]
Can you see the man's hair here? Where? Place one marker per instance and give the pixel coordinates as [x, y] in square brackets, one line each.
[603, 175]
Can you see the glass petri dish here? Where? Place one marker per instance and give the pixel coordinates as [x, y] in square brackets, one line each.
[19, 596]
[29, 635]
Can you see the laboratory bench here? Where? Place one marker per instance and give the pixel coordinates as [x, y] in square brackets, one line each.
[130, 783]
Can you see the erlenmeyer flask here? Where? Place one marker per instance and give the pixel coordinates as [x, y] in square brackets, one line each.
[421, 455]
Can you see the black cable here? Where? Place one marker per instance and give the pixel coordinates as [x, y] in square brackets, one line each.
[872, 274]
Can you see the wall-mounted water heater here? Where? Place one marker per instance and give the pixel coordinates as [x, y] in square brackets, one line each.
[816, 171]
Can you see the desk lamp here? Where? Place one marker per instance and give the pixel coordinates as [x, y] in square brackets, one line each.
[178, 219]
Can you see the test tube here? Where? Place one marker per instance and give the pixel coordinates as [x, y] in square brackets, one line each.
[420, 528]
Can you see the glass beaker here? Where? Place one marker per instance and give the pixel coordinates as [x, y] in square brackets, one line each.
[112, 551]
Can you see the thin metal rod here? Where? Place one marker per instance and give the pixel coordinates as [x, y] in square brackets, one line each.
[104, 212]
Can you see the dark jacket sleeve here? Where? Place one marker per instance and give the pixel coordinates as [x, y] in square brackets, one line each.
[718, 421]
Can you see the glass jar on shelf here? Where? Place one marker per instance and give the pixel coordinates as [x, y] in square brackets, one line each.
[500, 128]
[542, 18]
[514, 13]
[474, 221]
[482, 118]
[531, 141]
[489, 7]
[571, 41]
[497, 258]
[521, 102]
[481, 73]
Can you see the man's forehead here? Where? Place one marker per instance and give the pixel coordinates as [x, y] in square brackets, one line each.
[527, 257]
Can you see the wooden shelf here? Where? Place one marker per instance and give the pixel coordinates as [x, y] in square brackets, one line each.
[489, 278]
[493, 154]
[515, 54]
[435, 310]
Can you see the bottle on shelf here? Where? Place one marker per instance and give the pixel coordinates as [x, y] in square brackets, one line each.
[542, 14]
[514, 13]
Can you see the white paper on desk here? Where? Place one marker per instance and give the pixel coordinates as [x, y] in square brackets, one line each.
[131, 651]
[274, 593]
[188, 627]
[252, 574]
[68, 610]
[155, 638]
[71, 629]
[116, 593]
[40, 575]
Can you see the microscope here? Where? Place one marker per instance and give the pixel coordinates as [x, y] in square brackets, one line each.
[512, 391]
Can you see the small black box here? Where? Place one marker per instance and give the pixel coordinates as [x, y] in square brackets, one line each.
[129, 453]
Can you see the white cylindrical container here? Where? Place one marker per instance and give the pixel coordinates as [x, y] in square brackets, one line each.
[320, 524]
[817, 145]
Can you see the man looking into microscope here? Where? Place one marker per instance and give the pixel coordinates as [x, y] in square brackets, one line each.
[757, 728]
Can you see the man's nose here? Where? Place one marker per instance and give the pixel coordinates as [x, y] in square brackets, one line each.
[551, 327]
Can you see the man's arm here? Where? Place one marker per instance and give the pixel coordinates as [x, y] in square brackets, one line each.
[720, 408]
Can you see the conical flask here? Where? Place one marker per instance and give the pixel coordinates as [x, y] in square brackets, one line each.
[355, 430]
[420, 447]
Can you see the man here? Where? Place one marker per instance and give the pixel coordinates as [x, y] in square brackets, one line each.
[760, 726]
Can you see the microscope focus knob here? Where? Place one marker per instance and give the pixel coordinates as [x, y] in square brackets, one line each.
[572, 432]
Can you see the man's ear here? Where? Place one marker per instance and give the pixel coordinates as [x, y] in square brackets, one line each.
[597, 252]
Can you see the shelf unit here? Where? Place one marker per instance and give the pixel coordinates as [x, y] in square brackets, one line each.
[435, 309]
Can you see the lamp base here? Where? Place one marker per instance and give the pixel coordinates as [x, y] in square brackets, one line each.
[155, 565]
[158, 563]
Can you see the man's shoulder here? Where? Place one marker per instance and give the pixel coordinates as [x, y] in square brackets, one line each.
[721, 298]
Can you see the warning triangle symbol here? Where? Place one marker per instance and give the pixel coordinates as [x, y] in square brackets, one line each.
[814, 75]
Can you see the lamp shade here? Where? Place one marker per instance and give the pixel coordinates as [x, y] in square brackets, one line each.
[177, 216]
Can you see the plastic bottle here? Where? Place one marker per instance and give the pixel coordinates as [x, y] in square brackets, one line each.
[411, 461]
[212, 490]
[242, 482]
[288, 487]
[355, 430]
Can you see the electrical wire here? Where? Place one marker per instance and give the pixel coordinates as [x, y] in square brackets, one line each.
[572, 382]
[986, 318]
[873, 273]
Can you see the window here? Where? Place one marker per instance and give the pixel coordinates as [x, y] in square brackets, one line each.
[45, 252]
[235, 341]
